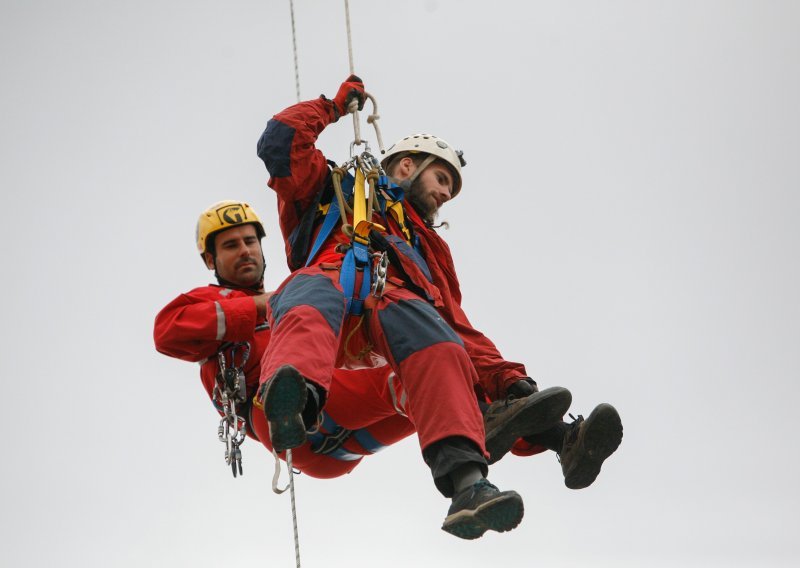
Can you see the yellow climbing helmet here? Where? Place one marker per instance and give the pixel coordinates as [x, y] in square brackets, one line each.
[435, 147]
[224, 215]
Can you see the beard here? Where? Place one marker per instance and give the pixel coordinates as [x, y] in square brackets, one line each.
[253, 282]
[427, 209]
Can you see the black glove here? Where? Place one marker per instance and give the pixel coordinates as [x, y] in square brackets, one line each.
[522, 388]
[352, 89]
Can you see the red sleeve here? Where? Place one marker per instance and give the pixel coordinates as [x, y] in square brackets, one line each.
[193, 325]
[297, 168]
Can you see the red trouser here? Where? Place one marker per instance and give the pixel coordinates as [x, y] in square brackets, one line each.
[358, 401]
[307, 316]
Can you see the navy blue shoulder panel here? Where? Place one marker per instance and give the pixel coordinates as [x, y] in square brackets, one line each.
[274, 148]
[408, 251]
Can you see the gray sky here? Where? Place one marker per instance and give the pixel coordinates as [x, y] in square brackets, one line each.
[628, 229]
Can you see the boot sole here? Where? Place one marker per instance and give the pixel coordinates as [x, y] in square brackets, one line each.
[501, 514]
[545, 409]
[284, 401]
[602, 438]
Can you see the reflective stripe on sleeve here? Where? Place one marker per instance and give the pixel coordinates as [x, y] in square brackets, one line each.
[220, 321]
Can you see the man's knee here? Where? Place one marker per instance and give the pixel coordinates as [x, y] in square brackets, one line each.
[413, 325]
[314, 290]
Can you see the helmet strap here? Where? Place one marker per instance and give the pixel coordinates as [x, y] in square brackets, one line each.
[422, 165]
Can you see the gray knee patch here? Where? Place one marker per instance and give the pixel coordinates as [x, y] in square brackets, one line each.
[413, 325]
[313, 290]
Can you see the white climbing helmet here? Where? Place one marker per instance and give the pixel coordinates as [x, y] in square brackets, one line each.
[435, 147]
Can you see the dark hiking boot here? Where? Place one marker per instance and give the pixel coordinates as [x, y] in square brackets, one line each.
[483, 507]
[588, 443]
[507, 420]
[284, 399]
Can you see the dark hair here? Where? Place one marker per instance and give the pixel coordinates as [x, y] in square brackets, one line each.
[416, 158]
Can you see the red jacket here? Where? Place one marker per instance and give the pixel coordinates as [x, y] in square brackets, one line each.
[299, 172]
[195, 325]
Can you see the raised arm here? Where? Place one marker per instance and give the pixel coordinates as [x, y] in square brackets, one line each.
[287, 147]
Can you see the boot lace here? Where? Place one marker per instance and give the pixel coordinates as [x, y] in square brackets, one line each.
[571, 435]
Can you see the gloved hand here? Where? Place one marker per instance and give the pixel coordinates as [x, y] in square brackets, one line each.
[352, 89]
[522, 388]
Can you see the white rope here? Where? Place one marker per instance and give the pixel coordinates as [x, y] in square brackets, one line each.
[354, 110]
[349, 36]
[290, 487]
[294, 509]
[294, 48]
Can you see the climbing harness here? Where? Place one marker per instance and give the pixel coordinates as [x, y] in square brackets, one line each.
[230, 389]
[370, 192]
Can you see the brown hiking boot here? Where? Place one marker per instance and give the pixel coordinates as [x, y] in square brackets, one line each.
[483, 507]
[508, 420]
[588, 443]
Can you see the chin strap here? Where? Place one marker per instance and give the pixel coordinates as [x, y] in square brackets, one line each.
[424, 164]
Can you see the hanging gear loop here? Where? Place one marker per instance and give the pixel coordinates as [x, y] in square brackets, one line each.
[371, 119]
[230, 389]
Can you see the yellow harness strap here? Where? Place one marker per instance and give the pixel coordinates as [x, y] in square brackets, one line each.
[396, 210]
[362, 225]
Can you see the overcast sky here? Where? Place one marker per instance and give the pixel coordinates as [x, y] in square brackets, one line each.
[628, 229]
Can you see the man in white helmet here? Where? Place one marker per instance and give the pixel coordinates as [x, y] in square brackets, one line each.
[413, 321]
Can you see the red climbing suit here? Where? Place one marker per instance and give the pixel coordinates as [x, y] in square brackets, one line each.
[361, 406]
[418, 324]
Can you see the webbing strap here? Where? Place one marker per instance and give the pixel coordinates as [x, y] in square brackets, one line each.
[331, 444]
[390, 200]
[396, 210]
[355, 260]
[367, 441]
[331, 219]
[359, 199]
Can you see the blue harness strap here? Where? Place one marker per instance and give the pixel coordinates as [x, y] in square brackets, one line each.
[357, 257]
[367, 441]
[355, 260]
[331, 218]
[331, 444]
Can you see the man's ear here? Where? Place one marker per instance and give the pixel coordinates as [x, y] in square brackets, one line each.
[209, 258]
[405, 167]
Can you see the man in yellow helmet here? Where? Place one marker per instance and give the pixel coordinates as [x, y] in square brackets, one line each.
[224, 328]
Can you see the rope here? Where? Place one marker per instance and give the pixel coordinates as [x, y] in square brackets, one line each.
[294, 509]
[294, 49]
[290, 487]
[356, 126]
[349, 36]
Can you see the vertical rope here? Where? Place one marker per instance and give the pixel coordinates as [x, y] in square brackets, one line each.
[356, 125]
[349, 36]
[294, 508]
[289, 452]
[294, 49]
